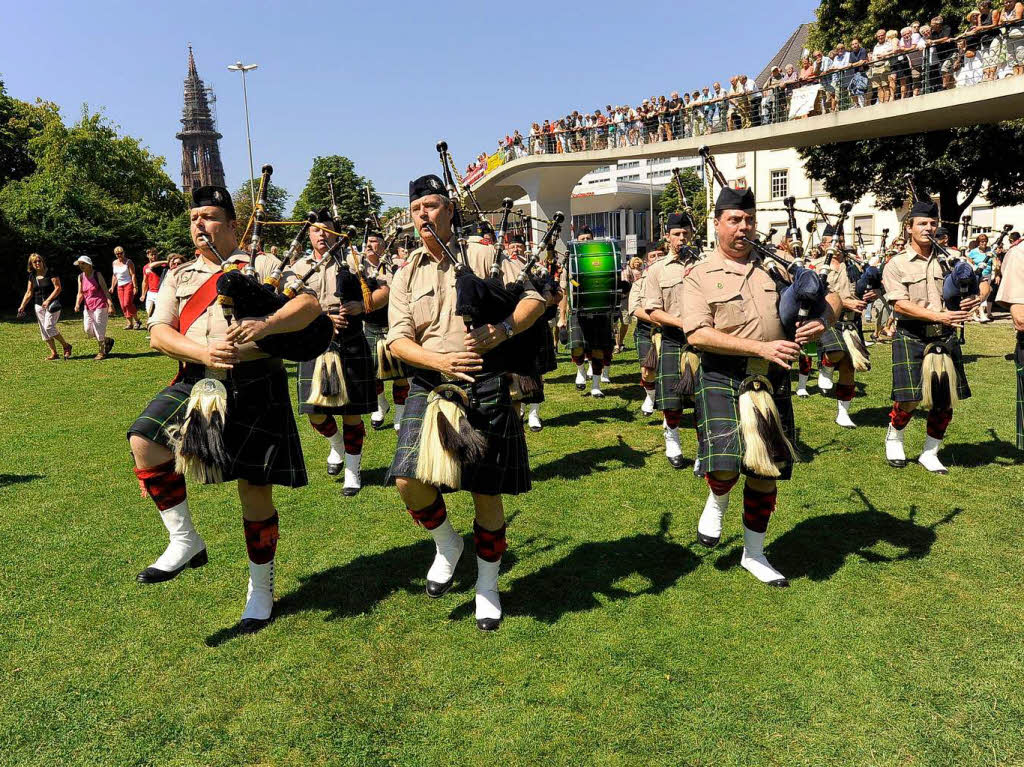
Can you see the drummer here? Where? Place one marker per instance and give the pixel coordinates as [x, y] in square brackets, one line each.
[591, 337]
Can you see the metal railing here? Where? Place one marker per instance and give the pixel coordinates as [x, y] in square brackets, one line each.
[955, 62]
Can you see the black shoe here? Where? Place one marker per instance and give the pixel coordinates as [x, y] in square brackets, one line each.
[678, 462]
[108, 344]
[348, 492]
[536, 428]
[897, 463]
[488, 624]
[597, 394]
[377, 425]
[252, 625]
[334, 469]
[153, 575]
[435, 589]
[781, 583]
[581, 387]
[707, 540]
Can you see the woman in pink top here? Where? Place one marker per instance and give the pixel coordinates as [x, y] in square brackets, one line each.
[95, 304]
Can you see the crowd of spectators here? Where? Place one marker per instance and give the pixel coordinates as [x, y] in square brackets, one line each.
[919, 58]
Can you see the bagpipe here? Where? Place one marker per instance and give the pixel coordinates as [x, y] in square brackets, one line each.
[765, 443]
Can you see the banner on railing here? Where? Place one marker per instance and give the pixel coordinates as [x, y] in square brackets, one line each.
[803, 101]
[494, 160]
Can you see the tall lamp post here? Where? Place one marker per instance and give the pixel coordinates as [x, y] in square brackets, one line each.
[238, 66]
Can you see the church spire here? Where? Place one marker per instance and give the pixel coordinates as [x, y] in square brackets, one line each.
[200, 152]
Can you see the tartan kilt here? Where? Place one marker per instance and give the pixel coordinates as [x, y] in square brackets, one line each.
[832, 339]
[642, 339]
[719, 442]
[670, 368]
[505, 468]
[260, 435]
[360, 377]
[1019, 359]
[592, 332]
[908, 357]
[373, 334]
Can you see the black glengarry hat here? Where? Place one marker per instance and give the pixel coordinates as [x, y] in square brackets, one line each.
[216, 196]
[924, 209]
[734, 199]
[426, 185]
[678, 221]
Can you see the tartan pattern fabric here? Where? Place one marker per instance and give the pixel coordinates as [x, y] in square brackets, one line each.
[757, 508]
[163, 484]
[938, 422]
[432, 516]
[642, 339]
[591, 332]
[1019, 358]
[505, 468]
[670, 366]
[360, 377]
[907, 359]
[719, 444]
[260, 435]
[831, 341]
[489, 544]
[373, 334]
[261, 539]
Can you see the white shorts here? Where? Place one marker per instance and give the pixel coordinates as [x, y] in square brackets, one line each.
[150, 304]
[95, 322]
[47, 322]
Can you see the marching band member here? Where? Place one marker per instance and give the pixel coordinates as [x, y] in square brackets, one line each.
[805, 363]
[591, 337]
[663, 302]
[426, 333]
[842, 346]
[1011, 294]
[925, 350]
[730, 313]
[260, 440]
[357, 363]
[646, 346]
[375, 327]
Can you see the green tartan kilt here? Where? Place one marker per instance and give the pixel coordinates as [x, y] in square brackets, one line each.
[642, 338]
[505, 468]
[1019, 359]
[908, 357]
[360, 377]
[260, 436]
[719, 442]
[591, 332]
[670, 368]
[373, 334]
[831, 340]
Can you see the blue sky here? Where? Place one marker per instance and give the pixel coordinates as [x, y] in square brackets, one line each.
[377, 82]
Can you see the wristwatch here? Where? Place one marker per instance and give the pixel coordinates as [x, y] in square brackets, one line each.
[509, 330]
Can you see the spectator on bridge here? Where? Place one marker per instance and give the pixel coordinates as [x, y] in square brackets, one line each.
[697, 119]
[674, 120]
[806, 69]
[773, 101]
[1012, 14]
[907, 65]
[840, 77]
[941, 55]
[967, 68]
[881, 67]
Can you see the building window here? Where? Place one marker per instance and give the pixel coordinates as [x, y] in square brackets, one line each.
[780, 184]
[741, 159]
[867, 230]
[740, 183]
[659, 160]
[602, 169]
[629, 164]
[630, 177]
[981, 217]
[613, 225]
[818, 188]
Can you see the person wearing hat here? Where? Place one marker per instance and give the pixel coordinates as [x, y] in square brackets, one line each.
[95, 303]
[913, 282]
[663, 302]
[646, 350]
[375, 325]
[460, 430]
[257, 441]
[743, 406]
[353, 349]
[805, 363]
[1011, 295]
[591, 338]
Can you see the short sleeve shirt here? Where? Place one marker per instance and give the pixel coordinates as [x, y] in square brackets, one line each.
[422, 305]
[663, 288]
[909, 276]
[323, 283]
[1011, 289]
[734, 297]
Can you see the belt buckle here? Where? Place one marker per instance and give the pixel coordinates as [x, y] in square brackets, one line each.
[757, 366]
[933, 330]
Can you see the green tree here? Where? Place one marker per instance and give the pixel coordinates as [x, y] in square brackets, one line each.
[277, 198]
[696, 195]
[348, 191]
[842, 20]
[19, 123]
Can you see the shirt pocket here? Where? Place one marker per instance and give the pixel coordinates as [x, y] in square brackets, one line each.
[423, 307]
[727, 311]
[917, 287]
[671, 290]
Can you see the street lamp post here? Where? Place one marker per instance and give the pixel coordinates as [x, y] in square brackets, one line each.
[238, 66]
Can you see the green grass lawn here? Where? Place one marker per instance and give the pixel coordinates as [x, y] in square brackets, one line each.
[624, 643]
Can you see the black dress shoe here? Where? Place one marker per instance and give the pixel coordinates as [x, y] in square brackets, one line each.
[488, 624]
[377, 425]
[252, 625]
[707, 540]
[597, 394]
[780, 583]
[581, 387]
[897, 463]
[435, 589]
[348, 492]
[536, 428]
[334, 469]
[677, 462]
[153, 575]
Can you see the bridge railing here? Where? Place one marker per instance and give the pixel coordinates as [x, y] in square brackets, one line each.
[957, 62]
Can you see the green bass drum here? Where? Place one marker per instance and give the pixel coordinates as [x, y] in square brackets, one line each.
[593, 277]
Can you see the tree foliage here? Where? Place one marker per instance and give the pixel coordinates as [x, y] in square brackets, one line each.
[348, 190]
[696, 195]
[277, 197]
[842, 20]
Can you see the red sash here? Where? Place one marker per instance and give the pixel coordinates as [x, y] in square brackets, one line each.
[193, 309]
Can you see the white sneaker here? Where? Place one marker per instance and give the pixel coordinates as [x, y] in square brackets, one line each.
[894, 452]
[259, 601]
[843, 415]
[929, 457]
[825, 379]
[801, 386]
[756, 563]
[353, 475]
[488, 602]
[448, 546]
[185, 548]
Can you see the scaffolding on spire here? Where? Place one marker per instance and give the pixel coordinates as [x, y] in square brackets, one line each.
[200, 153]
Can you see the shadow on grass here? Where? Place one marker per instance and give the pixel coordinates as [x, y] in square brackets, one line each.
[576, 417]
[596, 573]
[994, 451]
[590, 461]
[17, 479]
[818, 547]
